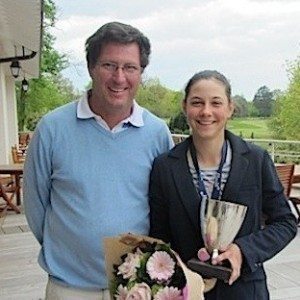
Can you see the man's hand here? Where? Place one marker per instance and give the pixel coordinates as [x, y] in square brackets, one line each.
[234, 255]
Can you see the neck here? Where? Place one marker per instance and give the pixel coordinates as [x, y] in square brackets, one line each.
[111, 115]
[208, 152]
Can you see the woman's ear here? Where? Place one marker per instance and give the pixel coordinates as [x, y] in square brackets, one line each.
[183, 105]
[231, 108]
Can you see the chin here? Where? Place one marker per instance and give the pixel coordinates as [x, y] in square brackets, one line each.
[207, 135]
[119, 101]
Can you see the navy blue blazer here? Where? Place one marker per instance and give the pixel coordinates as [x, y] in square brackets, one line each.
[252, 181]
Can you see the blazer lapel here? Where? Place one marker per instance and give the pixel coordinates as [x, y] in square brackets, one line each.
[239, 165]
[184, 184]
[238, 170]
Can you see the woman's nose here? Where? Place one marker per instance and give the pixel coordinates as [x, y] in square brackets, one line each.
[206, 109]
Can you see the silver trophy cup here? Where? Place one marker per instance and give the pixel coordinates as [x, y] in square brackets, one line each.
[220, 223]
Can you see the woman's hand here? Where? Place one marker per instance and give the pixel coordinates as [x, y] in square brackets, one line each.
[234, 255]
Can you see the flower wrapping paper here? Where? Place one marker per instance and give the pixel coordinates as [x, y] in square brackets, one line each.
[116, 247]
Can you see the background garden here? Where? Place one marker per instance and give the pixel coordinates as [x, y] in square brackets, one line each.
[271, 114]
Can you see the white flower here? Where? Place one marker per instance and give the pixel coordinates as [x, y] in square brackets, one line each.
[121, 293]
[129, 266]
[140, 291]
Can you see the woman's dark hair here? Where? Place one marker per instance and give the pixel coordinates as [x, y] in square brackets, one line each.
[208, 74]
[115, 32]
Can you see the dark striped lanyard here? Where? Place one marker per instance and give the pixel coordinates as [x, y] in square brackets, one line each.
[216, 192]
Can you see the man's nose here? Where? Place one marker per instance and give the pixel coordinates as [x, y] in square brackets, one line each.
[119, 74]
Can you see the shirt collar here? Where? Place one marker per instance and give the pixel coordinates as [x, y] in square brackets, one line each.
[84, 112]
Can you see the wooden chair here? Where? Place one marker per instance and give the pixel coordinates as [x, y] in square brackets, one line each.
[17, 155]
[296, 200]
[24, 139]
[285, 173]
[178, 138]
[8, 190]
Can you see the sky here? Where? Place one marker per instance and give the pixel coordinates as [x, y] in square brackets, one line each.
[251, 42]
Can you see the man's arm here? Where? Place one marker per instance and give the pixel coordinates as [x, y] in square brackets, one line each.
[37, 181]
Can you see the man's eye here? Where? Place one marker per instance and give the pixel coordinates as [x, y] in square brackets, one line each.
[130, 68]
[109, 66]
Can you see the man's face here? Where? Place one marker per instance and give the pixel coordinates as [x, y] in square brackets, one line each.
[116, 76]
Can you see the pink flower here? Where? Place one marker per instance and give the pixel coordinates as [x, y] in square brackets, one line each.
[121, 293]
[129, 266]
[140, 291]
[160, 266]
[168, 293]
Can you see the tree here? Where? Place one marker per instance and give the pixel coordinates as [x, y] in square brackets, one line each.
[52, 62]
[51, 89]
[241, 106]
[277, 93]
[263, 101]
[46, 94]
[158, 99]
[252, 110]
[286, 119]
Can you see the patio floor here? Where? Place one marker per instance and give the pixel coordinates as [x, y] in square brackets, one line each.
[20, 275]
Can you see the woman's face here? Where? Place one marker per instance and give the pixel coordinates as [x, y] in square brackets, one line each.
[207, 109]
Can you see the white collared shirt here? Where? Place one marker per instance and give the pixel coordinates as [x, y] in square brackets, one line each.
[136, 118]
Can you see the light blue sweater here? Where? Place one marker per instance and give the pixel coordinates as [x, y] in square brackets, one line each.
[82, 183]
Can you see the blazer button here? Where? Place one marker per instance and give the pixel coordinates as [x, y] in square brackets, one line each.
[257, 265]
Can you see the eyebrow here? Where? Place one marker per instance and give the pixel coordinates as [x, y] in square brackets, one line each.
[199, 98]
[118, 63]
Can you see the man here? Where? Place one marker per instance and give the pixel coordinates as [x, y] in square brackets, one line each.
[88, 165]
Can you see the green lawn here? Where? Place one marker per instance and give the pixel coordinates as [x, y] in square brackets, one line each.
[247, 126]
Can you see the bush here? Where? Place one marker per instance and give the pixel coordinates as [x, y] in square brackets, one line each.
[178, 123]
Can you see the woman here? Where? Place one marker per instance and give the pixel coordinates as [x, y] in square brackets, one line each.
[186, 174]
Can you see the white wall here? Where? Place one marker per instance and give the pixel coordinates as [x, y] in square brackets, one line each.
[12, 116]
[8, 117]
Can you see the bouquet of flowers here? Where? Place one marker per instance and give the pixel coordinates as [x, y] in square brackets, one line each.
[143, 268]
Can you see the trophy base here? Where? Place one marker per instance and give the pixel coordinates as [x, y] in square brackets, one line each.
[208, 270]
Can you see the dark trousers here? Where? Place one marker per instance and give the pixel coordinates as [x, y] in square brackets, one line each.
[240, 290]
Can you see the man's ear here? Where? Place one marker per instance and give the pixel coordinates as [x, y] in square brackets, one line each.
[91, 72]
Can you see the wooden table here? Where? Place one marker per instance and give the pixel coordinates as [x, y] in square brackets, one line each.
[15, 170]
[296, 178]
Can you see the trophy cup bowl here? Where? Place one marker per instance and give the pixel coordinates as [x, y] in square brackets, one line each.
[220, 223]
